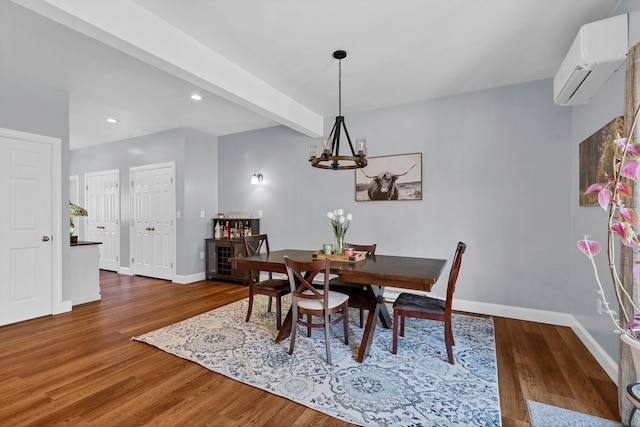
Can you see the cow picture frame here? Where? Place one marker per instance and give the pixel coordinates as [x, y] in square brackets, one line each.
[390, 178]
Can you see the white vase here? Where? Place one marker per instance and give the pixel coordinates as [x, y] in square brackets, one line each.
[634, 345]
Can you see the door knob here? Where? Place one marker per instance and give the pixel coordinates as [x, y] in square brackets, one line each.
[45, 238]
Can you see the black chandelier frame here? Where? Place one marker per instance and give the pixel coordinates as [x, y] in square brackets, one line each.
[330, 157]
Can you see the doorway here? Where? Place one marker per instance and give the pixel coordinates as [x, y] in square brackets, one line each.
[30, 226]
[152, 213]
[102, 195]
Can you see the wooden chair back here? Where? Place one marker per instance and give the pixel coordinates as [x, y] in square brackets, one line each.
[301, 275]
[369, 249]
[453, 274]
[254, 244]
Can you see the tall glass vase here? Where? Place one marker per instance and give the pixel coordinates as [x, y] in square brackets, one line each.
[339, 244]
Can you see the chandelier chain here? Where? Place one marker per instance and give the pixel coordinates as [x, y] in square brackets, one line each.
[330, 157]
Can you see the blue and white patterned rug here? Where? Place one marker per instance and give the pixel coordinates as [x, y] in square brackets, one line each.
[416, 387]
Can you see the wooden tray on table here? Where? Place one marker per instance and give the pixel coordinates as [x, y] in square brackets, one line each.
[356, 257]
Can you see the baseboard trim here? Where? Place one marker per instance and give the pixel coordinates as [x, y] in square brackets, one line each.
[191, 278]
[86, 299]
[608, 364]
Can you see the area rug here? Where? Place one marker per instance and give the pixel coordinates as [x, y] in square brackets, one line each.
[416, 387]
[543, 415]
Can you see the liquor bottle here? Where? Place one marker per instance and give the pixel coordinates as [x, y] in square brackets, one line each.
[216, 230]
[226, 230]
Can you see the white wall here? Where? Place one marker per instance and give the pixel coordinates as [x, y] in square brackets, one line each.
[496, 175]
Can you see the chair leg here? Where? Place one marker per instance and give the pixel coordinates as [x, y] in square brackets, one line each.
[294, 327]
[401, 326]
[309, 323]
[326, 337]
[361, 318]
[278, 313]
[269, 309]
[394, 346]
[448, 340]
[250, 306]
[345, 319]
[633, 412]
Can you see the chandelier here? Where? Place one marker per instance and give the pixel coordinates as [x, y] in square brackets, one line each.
[330, 157]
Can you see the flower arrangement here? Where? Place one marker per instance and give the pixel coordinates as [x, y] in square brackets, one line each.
[622, 222]
[339, 224]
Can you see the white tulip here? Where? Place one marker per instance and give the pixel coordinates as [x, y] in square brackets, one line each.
[340, 212]
[349, 217]
[341, 220]
[330, 215]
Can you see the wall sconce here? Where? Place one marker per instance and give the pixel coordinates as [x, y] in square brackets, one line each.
[256, 178]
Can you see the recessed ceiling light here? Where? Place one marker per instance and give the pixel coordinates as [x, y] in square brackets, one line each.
[196, 97]
[112, 120]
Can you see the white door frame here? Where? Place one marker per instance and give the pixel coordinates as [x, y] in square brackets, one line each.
[57, 305]
[132, 248]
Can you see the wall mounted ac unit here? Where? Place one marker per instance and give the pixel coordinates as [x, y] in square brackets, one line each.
[598, 50]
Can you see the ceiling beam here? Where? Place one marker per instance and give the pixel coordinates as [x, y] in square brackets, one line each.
[129, 28]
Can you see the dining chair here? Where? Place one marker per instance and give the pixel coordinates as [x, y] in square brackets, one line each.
[273, 288]
[355, 290]
[424, 307]
[311, 301]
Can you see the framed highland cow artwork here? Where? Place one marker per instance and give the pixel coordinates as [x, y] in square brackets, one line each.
[596, 159]
[397, 177]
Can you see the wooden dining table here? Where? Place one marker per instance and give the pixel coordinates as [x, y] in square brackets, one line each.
[370, 276]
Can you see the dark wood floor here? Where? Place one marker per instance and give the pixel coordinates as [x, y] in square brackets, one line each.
[82, 368]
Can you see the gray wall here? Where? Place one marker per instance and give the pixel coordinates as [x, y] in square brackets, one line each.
[31, 107]
[196, 184]
[496, 175]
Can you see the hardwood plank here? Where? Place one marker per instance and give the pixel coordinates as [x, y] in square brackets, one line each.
[82, 368]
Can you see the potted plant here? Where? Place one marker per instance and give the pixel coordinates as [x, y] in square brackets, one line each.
[339, 225]
[622, 225]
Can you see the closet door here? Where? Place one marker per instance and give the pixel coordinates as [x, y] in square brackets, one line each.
[26, 229]
[152, 226]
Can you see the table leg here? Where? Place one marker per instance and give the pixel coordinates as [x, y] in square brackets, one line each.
[369, 330]
[376, 309]
[384, 315]
[285, 329]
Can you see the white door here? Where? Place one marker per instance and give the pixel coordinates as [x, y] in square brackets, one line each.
[102, 193]
[152, 224]
[26, 229]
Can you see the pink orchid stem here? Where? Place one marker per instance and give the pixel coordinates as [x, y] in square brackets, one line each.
[601, 289]
[614, 203]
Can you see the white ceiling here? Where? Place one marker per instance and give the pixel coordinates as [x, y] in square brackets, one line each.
[261, 63]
